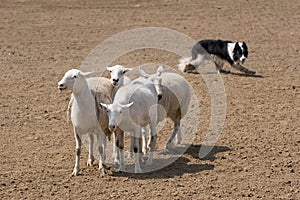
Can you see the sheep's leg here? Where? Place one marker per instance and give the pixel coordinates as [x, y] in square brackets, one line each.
[115, 155]
[137, 150]
[152, 143]
[120, 146]
[176, 132]
[178, 135]
[78, 151]
[144, 144]
[91, 155]
[101, 148]
[130, 152]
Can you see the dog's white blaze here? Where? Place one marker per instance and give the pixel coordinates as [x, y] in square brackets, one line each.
[243, 56]
[230, 48]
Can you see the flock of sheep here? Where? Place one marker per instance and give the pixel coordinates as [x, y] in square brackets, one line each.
[104, 107]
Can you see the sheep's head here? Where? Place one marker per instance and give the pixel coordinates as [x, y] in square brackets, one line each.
[115, 114]
[117, 73]
[155, 79]
[67, 82]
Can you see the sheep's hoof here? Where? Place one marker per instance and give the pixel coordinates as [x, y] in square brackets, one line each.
[104, 168]
[104, 171]
[121, 172]
[116, 164]
[122, 168]
[75, 172]
[90, 162]
[144, 150]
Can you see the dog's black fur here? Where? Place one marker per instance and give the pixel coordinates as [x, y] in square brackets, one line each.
[235, 53]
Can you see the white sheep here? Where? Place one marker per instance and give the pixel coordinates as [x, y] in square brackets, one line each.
[117, 76]
[101, 89]
[118, 79]
[175, 99]
[84, 116]
[134, 106]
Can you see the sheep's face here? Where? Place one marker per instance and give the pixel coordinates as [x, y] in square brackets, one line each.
[155, 79]
[68, 80]
[117, 74]
[115, 114]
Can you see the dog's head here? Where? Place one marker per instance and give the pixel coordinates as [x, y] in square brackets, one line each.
[240, 52]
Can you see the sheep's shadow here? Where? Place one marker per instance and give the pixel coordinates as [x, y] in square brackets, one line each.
[181, 166]
[193, 150]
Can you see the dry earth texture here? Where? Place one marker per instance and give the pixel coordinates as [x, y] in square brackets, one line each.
[258, 152]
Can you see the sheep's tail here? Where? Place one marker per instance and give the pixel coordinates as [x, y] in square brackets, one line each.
[183, 62]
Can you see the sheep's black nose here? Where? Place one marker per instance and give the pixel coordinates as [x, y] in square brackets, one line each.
[112, 127]
[115, 80]
[61, 86]
[159, 96]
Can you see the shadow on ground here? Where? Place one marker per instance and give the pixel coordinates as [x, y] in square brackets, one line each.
[181, 166]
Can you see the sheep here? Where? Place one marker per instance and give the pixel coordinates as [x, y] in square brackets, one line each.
[84, 117]
[175, 99]
[102, 90]
[118, 79]
[134, 106]
[117, 76]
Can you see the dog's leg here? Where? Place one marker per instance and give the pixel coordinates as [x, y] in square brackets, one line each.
[219, 64]
[240, 67]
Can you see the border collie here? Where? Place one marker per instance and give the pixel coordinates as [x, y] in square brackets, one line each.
[235, 53]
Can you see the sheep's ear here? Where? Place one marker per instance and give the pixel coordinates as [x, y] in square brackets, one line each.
[86, 73]
[104, 105]
[159, 70]
[108, 68]
[126, 70]
[127, 105]
[143, 73]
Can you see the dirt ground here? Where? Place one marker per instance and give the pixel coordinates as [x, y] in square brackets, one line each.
[258, 152]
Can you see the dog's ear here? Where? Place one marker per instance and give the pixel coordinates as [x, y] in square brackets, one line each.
[245, 46]
[245, 49]
[236, 46]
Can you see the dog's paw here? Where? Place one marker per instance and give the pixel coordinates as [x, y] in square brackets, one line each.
[250, 72]
[224, 71]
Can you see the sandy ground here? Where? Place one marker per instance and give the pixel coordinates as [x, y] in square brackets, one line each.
[258, 152]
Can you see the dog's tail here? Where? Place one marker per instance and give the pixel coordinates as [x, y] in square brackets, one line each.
[183, 62]
[186, 64]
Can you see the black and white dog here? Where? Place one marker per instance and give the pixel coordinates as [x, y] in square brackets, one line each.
[235, 53]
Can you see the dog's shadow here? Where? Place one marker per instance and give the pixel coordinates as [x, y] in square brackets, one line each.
[230, 73]
[245, 75]
[181, 166]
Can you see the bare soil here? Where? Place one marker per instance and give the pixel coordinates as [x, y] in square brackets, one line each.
[258, 152]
